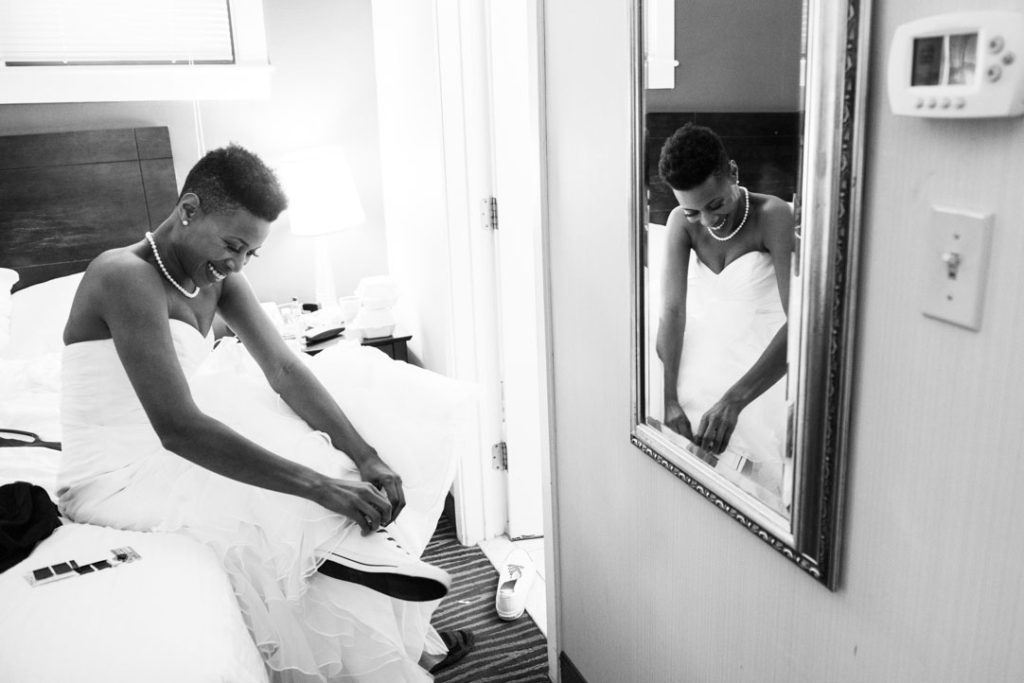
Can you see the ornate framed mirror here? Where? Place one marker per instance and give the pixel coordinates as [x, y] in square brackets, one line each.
[747, 153]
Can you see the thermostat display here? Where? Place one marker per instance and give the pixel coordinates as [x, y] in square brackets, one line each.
[960, 65]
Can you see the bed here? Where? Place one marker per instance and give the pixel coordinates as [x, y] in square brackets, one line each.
[169, 615]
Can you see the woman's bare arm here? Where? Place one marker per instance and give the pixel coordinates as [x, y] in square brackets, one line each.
[300, 388]
[286, 372]
[134, 308]
[672, 323]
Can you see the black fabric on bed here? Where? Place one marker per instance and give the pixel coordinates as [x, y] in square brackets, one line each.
[27, 516]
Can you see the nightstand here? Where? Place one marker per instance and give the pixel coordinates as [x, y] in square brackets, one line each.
[395, 347]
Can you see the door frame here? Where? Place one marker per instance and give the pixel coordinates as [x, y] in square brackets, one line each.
[481, 508]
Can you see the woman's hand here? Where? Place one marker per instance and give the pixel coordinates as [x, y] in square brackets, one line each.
[717, 425]
[676, 419]
[358, 500]
[376, 472]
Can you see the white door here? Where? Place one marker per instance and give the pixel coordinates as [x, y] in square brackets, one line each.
[458, 106]
[516, 149]
[433, 109]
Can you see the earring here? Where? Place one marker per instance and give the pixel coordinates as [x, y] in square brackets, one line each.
[184, 221]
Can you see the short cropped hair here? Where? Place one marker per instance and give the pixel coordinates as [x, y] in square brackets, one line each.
[690, 156]
[232, 177]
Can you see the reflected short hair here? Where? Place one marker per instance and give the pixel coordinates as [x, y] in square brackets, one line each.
[232, 177]
[690, 156]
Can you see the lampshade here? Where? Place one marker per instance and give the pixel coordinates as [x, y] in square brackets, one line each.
[322, 199]
[322, 195]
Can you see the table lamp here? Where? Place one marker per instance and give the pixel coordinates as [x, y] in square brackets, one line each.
[322, 200]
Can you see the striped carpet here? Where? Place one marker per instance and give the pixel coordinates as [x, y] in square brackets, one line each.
[506, 651]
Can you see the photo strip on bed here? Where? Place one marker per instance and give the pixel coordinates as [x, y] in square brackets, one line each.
[69, 568]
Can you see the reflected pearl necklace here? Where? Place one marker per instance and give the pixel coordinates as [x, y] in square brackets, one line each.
[163, 269]
[746, 212]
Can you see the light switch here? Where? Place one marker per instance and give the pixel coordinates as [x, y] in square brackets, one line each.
[957, 265]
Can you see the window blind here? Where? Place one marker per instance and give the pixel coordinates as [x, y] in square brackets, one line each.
[115, 32]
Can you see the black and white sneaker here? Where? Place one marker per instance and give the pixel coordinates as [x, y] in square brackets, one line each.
[377, 561]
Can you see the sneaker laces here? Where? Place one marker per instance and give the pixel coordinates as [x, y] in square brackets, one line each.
[393, 540]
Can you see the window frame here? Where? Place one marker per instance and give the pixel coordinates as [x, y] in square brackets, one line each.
[247, 78]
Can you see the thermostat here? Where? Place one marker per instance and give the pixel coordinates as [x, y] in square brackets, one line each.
[960, 65]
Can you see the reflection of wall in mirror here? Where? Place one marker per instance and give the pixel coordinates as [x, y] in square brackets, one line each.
[734, 56]
[738, 73]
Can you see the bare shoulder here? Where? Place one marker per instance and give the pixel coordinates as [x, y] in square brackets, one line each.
[776, 210]
[121, 267]
[777, 221]
[116, 283]
[115, 279]
[677, 228]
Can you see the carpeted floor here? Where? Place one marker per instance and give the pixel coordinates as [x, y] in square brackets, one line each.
[506, 651]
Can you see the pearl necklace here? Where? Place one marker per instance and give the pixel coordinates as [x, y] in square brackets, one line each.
[163, 269]
[746, 212]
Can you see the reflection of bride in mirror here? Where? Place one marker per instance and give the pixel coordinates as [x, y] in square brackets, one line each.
[722, 332]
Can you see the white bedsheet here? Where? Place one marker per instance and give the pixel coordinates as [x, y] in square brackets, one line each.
[169, 617]
[172, 616]
[30, 395]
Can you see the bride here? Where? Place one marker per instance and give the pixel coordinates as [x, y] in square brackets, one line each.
[311, 524]
[725, 291]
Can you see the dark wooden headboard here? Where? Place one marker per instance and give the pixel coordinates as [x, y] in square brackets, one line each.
[66, 197]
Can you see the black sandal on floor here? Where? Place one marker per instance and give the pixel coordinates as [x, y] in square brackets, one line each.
[459, 643]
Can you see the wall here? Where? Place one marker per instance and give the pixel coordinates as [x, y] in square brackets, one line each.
[656, 585]
[408, 70]
[745, 42]
[323, 92]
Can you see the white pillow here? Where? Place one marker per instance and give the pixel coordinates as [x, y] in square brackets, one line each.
[38, 316]
[8, 278]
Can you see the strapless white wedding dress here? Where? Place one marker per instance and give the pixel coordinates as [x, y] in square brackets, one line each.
[730, 319]
[308, 627]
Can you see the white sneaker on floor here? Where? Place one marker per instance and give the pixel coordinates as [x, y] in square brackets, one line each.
[377, 561]
[514, 583]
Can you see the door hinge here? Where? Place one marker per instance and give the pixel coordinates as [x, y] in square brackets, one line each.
[489, 213]
[499, 456]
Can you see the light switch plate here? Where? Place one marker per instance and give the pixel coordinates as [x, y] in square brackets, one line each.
[956, 265]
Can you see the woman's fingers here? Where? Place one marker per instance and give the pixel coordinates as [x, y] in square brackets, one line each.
[706, 433]
[397, 496]
[369, 507]
[380, 505]
[702, 431]
[363, 520]
[718, 434]
[710, 433]
[726, 436]
[391, 489]
[369, 518]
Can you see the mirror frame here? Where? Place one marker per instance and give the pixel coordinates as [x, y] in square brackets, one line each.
[834, 76]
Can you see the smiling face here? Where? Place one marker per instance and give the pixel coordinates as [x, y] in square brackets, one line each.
[219, 244]
[710, 203]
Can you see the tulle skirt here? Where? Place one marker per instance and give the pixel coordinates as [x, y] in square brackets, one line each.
[307, 626]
